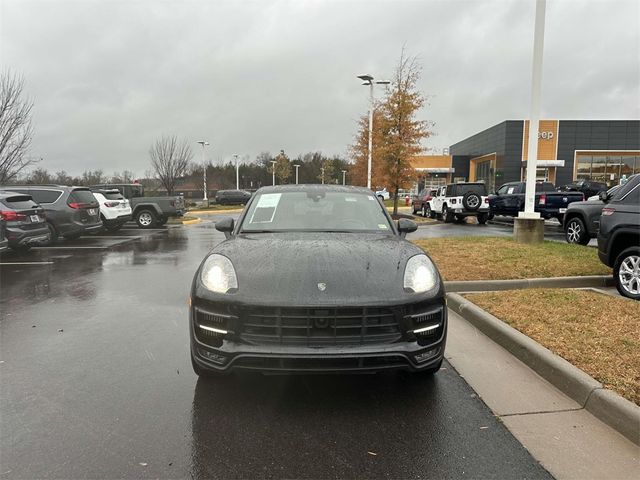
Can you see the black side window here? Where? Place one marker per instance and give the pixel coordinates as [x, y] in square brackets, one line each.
[503, 189]
[45, 196]
[631, 198]
[449, 191]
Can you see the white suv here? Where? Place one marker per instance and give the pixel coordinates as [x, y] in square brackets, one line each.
[460, 200]
[115, 210]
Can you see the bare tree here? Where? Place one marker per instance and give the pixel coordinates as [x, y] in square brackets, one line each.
[16, 129]
[170, 159]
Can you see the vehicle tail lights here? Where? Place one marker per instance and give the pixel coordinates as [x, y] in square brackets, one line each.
[486, 200]
[606, 211]
[111, 204]
[453, 200]
[11, 216]
[543, 199]
[78, 205]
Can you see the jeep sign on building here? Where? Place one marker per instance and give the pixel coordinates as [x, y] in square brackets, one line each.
[600, 150]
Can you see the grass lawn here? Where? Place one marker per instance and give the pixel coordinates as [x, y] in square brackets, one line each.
[216, 207]
[597, 333]
[499, 258]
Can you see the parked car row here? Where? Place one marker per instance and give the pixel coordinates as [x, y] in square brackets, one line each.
[459, 200]
[42, 214]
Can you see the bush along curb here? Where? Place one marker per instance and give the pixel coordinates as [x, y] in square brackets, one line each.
[614, 410]
[592, 281]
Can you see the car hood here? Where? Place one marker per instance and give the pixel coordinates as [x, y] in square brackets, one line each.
[295, 269]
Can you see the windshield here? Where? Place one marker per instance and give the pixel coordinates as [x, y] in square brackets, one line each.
[316, 210]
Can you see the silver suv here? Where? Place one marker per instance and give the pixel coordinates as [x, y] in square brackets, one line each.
[70, 211]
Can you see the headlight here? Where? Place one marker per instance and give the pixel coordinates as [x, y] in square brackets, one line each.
[420, 274]
[218, 274]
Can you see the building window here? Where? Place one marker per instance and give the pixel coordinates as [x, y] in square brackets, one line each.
[607, 168]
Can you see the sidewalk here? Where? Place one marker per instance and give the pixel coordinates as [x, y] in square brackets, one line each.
[567, 440]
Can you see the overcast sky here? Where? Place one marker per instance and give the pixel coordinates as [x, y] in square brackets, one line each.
[109, 77]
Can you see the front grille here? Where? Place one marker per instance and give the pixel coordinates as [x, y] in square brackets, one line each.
[318, 327]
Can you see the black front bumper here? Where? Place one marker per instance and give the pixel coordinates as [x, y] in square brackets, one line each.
[231, 352]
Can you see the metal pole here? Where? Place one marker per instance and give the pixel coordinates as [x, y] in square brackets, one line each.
[204, 175]
[536, 85]
[273, 172]
[343, 176]
[370, 134]
[322, 172]
[296, 167]
[237, 173]
[204, 170]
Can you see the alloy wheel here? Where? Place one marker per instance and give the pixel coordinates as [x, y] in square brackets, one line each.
[629, 274]
[574, 232]
[145, 219]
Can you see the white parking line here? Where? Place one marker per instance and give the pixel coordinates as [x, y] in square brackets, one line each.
[26, 263]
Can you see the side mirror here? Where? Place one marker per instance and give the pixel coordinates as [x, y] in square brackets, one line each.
[226, 226]
[406, 226]
[603, 196]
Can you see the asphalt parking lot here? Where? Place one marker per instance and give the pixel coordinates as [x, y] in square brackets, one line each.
[97, 382]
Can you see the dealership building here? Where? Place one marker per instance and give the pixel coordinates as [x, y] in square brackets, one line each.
[568, 150]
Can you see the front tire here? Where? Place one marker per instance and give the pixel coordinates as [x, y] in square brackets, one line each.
[146, 219]
[576, 232]
[626, 273]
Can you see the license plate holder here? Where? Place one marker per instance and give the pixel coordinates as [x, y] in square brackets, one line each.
[562, 210]
[92, 211]
[35, 218]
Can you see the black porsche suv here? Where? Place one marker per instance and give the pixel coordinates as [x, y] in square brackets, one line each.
[619, 237]
[316, 278]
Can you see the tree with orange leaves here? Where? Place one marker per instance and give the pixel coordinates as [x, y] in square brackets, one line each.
[397, 134]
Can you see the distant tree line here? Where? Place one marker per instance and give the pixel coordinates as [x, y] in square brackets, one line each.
[41, 176]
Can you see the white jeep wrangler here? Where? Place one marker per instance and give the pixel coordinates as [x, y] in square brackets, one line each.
[459, 200]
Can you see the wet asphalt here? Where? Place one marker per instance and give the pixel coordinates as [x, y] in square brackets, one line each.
[96, 382]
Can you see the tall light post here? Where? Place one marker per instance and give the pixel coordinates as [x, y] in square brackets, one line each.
[296, 166]
[529, 227]
[237, 172]
[344, 172]
[368, 80]
[322, 174]
[273, 172]
[204, 169]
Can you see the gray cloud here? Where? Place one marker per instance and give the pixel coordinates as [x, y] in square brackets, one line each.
[110, 77]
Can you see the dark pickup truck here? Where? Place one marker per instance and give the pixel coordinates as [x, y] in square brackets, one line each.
[148, 212]
[509, 200]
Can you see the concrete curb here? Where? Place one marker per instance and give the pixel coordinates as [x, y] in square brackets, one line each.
[617, 412]
[552, 282]
[191, 222]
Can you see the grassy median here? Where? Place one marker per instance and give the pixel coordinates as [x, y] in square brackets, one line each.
[598, 333]
[500, 258]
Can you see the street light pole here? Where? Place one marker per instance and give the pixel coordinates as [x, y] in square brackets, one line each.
[344, 172]
[204, 170]
[237, 172]
[296, 166]
[273, 172]
[368, 80]
[322, 173]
